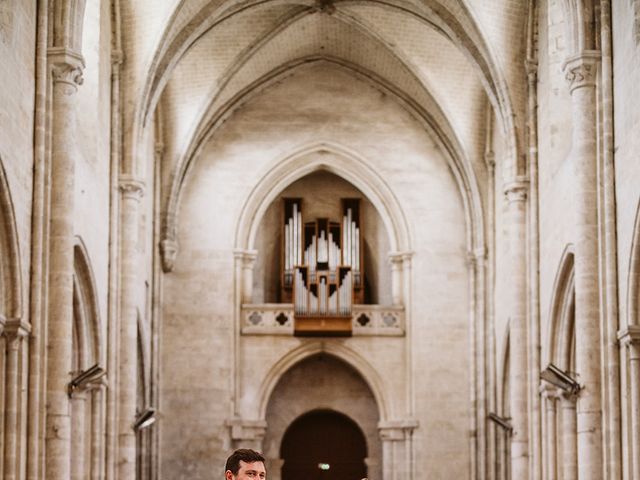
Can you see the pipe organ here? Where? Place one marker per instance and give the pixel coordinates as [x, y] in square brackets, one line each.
[322, 271]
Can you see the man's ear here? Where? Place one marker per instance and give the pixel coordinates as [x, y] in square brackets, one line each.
[228, 475]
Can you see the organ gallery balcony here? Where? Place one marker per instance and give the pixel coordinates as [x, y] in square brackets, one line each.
[365, 320]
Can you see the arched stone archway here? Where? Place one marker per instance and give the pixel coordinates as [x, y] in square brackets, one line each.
[88, 349]
[559, 415]
[321, 382]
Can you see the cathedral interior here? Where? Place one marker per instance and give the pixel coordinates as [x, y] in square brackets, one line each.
[392, 239]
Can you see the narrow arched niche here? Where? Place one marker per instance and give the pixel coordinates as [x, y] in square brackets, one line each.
[321, 382]
[321, 193]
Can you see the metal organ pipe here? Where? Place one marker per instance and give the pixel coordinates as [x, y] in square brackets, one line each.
[299, 239]
[287, 247]
[328, 291]
[295, 232]
[357, 249]
[352, 235]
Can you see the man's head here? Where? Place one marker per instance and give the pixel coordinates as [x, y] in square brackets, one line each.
[245, 464]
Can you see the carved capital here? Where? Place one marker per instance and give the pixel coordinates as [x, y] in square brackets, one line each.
[580, 70]
[15, 330]
[477, 256]
[158, 149]
[117, 57]
[66, 67]
[406, 257]
[549, 392]
[490, 161]
[247, 257]
[395, 259]
[516, 191]
[630, 337]
[131, 187]
[246, 430]
[531, 67]
[396, 431]
[168, 253]
[98, 384]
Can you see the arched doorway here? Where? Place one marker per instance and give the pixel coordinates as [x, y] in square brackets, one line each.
[324, 444]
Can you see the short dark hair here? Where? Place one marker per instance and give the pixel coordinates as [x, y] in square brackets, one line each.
[246, 455]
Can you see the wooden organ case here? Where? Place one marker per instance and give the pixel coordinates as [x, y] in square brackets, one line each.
[322, 268]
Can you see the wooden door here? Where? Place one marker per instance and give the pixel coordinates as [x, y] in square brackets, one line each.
[323, 445]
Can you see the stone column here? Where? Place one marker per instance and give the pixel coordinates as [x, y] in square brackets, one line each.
[395, 259]
[569, 437]
[396, 441]
[67, 75]
[581, 74]
[550, 397]
[132, 191]
[516, 195]
[97, 431]
[14, 336]
[631, 338]
[248, 263]
[477, 261]
[78, 400]
[245, 261]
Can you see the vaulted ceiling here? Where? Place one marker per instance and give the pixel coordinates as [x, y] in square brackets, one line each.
[447, 60]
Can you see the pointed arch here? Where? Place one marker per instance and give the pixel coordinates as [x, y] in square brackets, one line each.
[10, 271]
[68, 20]
[144, 356]
[347, 355]
[503, 379]
[633, 282]
[578, 20]
[350, 166]
[560, 331]
[435, 123]
[177, 38]
[86, 310]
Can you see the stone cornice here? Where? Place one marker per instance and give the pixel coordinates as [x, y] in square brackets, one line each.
[66, 67]
[580, 70]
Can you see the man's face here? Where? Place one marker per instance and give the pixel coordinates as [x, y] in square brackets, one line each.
[248, 471]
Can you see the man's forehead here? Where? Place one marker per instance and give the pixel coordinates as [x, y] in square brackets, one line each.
[259, 466]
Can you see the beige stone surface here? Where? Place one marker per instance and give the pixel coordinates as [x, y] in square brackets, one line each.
[494, 145]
